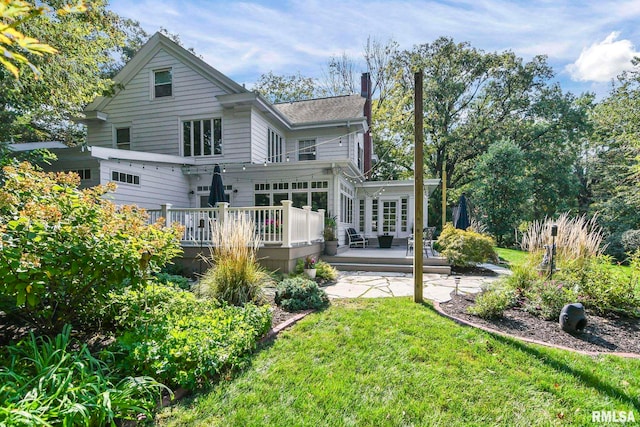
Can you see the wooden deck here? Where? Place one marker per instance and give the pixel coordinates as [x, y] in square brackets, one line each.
[392, 259]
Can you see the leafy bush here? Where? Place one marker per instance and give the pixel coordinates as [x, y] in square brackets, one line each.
[545, 299]
[325, 271]
[631, 240]
[465, 248]
[235, 275]
[298, 293]
[182, 340]
[603, 289]
[63, 249]
[47, 382]
[179, 281]
[492, 303]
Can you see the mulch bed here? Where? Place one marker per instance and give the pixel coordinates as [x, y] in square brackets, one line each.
[601, 335]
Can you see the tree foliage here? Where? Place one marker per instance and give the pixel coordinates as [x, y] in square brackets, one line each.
[501, 188]
[285, 88]
[63, 249]
[36, 109]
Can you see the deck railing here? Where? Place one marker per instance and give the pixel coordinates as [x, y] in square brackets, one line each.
[284, 225]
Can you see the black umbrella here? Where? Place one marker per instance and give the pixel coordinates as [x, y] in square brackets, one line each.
[216, 192]
[462, 216]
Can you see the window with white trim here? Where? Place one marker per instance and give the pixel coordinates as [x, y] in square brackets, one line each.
[125, 178]
[274, 147]
[202, 137]
[162, 83]
[123, 138]
[307, 149]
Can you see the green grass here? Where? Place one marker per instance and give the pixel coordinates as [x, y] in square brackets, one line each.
[391, 362]
[512, 256]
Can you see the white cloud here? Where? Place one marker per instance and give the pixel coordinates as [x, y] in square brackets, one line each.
[603, 61]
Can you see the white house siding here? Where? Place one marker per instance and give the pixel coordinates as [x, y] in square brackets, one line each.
[158, 184]
[156, 123]
[73, 159]
[327, 141]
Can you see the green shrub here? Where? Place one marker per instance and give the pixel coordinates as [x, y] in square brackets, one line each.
[63, 249]
[179, 281]
[325, 271]
[182, 340]
[298, 293]
[545, 298]
[492, 303]
[604, 289]
[235, 275]
[465, 248]
[49, 382]
[631, 240]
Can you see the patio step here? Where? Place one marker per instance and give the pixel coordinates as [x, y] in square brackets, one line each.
[389, 268]
[344, 259]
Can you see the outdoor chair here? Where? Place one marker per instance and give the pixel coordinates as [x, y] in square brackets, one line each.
[427, 241]
[356, 239]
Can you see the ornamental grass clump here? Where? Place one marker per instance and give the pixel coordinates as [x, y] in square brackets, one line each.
[235, 275]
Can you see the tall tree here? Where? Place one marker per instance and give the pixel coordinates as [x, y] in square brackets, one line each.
[32, 108]
[501, 188]
[340, 77]
[617, 170]
[285, 88]
[472, 99]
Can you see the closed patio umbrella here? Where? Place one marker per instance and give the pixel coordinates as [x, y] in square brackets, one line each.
[216, 192]
[462, 216]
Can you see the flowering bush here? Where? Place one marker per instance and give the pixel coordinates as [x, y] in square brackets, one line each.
[63, 249]
[309, 262]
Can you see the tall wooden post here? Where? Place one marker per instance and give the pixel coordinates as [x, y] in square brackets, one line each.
[444, 194]
[418, 188]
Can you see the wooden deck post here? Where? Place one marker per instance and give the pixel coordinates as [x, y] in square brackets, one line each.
[418, 177]
[165, 210]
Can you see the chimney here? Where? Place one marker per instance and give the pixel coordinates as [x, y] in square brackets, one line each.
[365, 92]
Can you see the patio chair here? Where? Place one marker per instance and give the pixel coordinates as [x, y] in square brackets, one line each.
[356, 239]
[427, 239]
[409, 245]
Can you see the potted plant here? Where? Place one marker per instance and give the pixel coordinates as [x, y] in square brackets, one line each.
[330, 236]
[310, 267]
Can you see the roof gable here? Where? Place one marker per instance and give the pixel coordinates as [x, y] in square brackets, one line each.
[160, 42]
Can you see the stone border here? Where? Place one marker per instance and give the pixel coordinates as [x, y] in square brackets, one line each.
[436, 305]
[273, 332]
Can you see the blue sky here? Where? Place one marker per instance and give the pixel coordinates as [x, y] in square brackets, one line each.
[587, 42]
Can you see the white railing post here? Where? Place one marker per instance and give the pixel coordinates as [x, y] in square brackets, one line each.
[286, 223]
[321, 212]
[165, 210]
[223, 211]
[307, 220]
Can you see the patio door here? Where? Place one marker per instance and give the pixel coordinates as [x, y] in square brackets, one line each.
[389, 217]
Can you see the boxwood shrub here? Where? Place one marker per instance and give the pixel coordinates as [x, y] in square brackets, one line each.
[298, 293]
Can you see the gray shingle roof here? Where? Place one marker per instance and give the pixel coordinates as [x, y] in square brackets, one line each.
[323, 109]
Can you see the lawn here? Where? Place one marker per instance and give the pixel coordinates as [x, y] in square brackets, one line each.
[392, 362]
[512, 256]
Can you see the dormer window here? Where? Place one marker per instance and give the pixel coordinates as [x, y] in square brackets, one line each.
[162, 83]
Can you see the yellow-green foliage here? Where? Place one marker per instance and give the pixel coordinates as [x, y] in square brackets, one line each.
[63, 249]
[465, 247]
[326, 271]
[235, 275]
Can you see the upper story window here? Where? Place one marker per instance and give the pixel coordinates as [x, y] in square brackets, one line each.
[274, 146]
[123, 138]
[307, 149]
[162, 83]
[202, 137]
